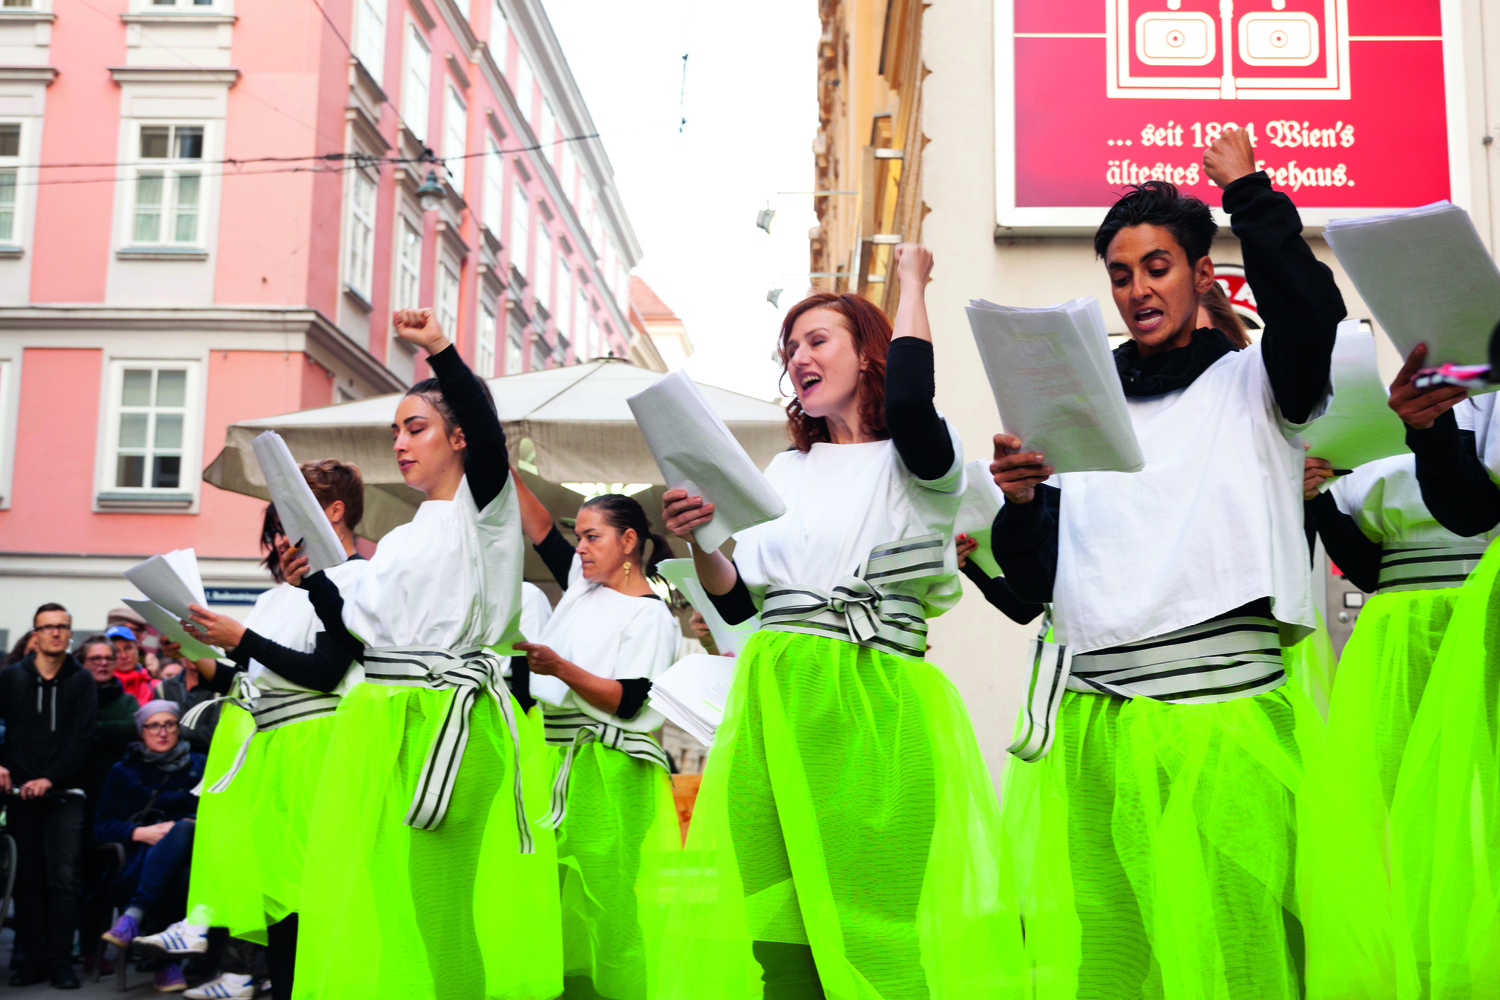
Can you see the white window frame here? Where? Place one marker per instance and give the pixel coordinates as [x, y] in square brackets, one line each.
[525, 82]
[179, 6]
[564, 299]
[416, 82]
[499, 29]
[542, 240]
[110, 496]
[11, 169]
[172, 169]
[520, 228]
[493, 207]
[540, 352]
[359, 234]
[406, 291]
[455, 138]
[515, 344]
[484, 341]
[581, 318]
[9, 371]
[547, 131]
[598, 350]
[445, 298]
[369, 36]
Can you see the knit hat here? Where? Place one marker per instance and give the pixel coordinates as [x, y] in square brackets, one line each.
[152, 708]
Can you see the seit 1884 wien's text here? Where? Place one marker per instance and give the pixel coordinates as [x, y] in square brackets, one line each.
[1187, 171]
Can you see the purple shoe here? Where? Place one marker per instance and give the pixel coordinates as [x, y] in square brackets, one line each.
[169, 979]
[123, 932]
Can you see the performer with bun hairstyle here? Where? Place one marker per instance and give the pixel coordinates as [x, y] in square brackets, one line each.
[845, 843]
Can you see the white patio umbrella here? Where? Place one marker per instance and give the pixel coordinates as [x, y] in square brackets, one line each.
[563, 425]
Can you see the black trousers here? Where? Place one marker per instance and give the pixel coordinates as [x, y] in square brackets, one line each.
[48, 834]
[281, 956]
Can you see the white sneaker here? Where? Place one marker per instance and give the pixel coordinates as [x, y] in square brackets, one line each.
[179, 939]
[229, 986]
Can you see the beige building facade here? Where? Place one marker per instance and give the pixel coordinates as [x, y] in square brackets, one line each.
[921, 81]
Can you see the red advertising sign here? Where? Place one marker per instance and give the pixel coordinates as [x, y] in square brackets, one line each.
[1346, 101]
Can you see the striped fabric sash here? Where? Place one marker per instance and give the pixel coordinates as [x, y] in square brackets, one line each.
[472, 672]
[270, 710]
[1218, 660]
[573, 730]
[1428, 567]
[860, 609]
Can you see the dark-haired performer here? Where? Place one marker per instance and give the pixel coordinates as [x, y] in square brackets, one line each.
[845, 843]
[1157, 838]
[612, 805]
[429, 872]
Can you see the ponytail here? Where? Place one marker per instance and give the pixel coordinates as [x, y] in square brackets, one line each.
[625, 513]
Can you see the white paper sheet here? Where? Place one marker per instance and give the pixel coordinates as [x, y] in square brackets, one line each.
[1359, 426]
[697, 453]
[1055, 384]
[161, 620]
[692, 693]
[1427, 278]
[681, 574]
[977, 510]
[301, 515]
[172, 581]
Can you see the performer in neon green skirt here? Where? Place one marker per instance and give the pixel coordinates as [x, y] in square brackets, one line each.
[1152, 810]
[1381, 534]
[845, 843]
[266, 759]
[591, 669]
[427, 874]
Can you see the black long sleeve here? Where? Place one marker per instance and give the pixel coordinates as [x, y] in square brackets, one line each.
[1294, 292]
[329, 604]
[558, 555]
[633, 694]
[1351, 550]
[1456, 486]
[1024, 543]
[486, 462]
[322, 669]
[998, 593]
[920, 435]
[737, 605]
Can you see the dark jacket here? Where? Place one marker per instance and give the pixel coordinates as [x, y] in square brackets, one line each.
[114, 732]
[49, 724]
[129, 788]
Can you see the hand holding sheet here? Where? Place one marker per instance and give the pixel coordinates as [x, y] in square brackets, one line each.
[1359, 426]
[697, 453]
[172, 629]
[1055, 384]
[301, 515]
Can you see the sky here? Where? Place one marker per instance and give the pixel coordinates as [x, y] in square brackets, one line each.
[750, 102]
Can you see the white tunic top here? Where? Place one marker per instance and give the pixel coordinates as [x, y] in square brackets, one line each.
[842, 501]
[285, 616]
[1213, 522]
[535, 611]
[615, 636]
[1385, 500]
[450, 578]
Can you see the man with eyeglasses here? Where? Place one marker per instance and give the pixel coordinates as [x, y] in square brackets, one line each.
[49, 706]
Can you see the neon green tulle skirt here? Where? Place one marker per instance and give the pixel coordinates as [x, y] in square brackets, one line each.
[1310, 664]
[1154, 848]
[621, 832]
[846, 839]
[1344, 865]
[1445, 821]
[456, 912]
[252, 836]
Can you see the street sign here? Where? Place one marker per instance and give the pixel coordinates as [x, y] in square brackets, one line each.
[1347, 103]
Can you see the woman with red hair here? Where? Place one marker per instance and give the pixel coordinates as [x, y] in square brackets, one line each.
[844, 843]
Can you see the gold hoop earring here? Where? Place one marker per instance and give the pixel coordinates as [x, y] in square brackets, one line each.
[627, 571]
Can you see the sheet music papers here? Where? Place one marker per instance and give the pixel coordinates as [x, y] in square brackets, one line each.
[171, 581]
[693, 692]
[1055, 384]
[976, 512]
[1359, 426]
[681, 574]
[169, 627]
[1427, 278]
[697, 453]
[301, 515]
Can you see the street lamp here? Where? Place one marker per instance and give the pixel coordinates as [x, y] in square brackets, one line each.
[763, 218]
[431, 193]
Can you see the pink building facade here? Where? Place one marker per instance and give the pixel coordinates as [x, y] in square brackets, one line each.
[209, 210]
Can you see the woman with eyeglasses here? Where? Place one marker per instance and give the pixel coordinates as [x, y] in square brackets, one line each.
[149, 806]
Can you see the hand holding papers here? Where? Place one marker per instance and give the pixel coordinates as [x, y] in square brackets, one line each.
[696, 452]
[728, 638]
[301, 515]
[172, 629]
[171, 581]
[1427, 278]
[1359, 426]
[1055, 384]
[692, 693]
